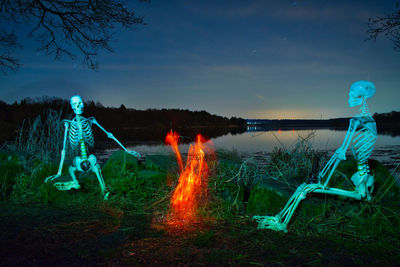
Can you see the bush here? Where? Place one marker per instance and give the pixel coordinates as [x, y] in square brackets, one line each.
[10, 169]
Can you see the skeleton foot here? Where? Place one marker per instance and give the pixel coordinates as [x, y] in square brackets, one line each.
[64, 186]
[106, 195]
[270, 222]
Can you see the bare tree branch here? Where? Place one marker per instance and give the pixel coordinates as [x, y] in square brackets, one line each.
[388, 25]
[8, 42]
[68, 28]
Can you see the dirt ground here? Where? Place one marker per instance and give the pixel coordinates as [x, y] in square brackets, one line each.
[38, 235]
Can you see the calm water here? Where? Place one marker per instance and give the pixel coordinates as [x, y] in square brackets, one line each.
[387, 148]
[324, 139]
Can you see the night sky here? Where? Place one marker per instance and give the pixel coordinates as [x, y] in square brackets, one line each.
[252, 59]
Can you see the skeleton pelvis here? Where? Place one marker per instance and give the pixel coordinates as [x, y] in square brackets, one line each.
[363, 182]
[85, 165]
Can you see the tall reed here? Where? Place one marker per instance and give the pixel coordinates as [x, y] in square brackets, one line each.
[40, 140]
[296, 164]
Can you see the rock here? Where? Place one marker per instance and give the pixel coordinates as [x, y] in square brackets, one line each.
[265, 201]
[383, 179]
[118, 162]
[161, 163]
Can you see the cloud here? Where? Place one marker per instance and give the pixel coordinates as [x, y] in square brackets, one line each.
[260, 97]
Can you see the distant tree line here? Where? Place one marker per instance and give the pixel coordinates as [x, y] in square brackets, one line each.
[387, 123]
[389, 119]
[114, 119]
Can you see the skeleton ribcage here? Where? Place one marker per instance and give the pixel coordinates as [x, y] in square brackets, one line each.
[364, 139]
[80, 128]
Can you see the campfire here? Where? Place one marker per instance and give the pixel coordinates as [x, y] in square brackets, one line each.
[191, 190]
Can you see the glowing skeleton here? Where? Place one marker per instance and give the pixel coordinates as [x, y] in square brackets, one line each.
[361, 137]
[78, 132]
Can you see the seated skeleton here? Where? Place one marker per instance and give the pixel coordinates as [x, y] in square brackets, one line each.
[78, 134]
[361, 137]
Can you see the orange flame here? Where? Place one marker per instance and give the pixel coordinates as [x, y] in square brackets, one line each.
[191, 190]
[172, 139]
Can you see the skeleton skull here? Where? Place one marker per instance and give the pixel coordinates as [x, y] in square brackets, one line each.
[77, 104]
[360, 91]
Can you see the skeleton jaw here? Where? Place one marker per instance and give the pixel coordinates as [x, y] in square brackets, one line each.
[355, 101]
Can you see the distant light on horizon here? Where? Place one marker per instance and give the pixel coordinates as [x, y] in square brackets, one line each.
[293, 114]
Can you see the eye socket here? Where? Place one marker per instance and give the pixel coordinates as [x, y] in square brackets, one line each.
[355, 96]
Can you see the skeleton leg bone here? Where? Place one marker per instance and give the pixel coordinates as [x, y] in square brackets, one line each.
[280, 221]
[96, 169]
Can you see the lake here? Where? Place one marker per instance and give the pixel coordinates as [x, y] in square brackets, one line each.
[387, 148]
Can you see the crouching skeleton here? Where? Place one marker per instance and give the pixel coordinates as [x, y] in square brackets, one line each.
[360, 137]
[78, 132]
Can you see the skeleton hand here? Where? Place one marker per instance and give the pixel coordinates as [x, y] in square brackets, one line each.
[134, 153]
[340, 153]
[51, 178]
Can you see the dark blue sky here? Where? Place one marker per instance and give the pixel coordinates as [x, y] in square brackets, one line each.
[253, 59]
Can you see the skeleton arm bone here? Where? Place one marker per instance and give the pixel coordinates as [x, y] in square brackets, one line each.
[66, 125]
[111, 136]
[335, 157]
[340, 153]
[328, 166]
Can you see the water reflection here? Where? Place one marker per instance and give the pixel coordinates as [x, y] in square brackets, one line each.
[256, 140]
[321, 139]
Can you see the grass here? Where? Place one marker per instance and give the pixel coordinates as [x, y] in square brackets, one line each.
[36, 154]
[320, 216]
[321, 221]
[233, 179]
[39, 141]
[292, 165]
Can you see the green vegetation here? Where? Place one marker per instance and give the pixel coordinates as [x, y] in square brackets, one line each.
[130, 228]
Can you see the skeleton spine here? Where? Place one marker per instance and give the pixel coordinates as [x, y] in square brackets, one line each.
[364, 108]
[82, 141]
[83, 150]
